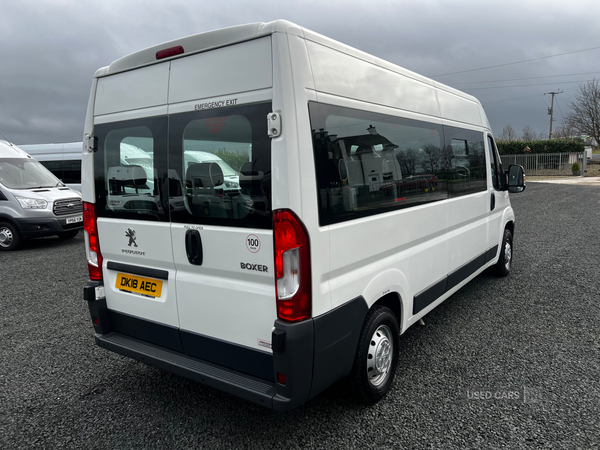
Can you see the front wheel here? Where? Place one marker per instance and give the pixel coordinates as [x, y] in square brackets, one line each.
[376, 356]
[504, 264]
[10, 238]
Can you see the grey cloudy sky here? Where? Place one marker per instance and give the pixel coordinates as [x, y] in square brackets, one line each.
[50, 49]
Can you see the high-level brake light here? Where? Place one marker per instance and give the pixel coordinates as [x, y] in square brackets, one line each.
[168, 52]
[292, 267]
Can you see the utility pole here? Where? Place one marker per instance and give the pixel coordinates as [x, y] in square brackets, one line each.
[551, 109]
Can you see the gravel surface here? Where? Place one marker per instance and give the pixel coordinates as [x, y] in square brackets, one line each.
[534, 335]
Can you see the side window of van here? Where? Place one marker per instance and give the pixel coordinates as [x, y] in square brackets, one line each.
[71, 171]
[369, 163]
[129, 163]
[467, 173]
[68, 171]
[495, 163]
[220, 167]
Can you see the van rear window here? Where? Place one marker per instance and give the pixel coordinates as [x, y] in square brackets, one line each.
[220, 167]
[215, 169]
[129, 166]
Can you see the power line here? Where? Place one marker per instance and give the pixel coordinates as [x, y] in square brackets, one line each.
[516, 62]
[560, 109]
[523, 79]
[523, 85]
[512, 98]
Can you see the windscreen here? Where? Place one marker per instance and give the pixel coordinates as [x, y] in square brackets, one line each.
[21, 173]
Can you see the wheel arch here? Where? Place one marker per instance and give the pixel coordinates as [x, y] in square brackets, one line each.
[388, 289]
[9, 219]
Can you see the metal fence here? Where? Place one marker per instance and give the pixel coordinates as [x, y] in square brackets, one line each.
[547, 164]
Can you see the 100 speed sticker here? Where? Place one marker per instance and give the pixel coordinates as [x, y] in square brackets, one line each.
[253, 243]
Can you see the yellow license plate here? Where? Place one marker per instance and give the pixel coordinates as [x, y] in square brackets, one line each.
[139, 285]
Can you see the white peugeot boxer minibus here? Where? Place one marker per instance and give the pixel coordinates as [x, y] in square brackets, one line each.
[364, 195]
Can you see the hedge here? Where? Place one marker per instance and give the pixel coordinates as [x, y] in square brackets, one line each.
[547, 146]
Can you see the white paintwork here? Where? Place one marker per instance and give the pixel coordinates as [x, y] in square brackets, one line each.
[137, 89]
[401, 252]
[154, 247]
[191, 80]
[218, 298]
[348, 76]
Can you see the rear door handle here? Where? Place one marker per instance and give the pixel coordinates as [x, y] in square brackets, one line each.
[493, 201]
[193, 247]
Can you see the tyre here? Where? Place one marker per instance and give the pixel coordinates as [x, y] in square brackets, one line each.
[504, 264]
[10, 238]
[376, 356]
[68, 234]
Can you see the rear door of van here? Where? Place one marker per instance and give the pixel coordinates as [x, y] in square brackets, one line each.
[221, 231]
[189, 245]
[130, 110]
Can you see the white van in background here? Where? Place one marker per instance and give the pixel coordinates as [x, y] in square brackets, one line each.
[33, 202]
[367, 195]
[63, 160]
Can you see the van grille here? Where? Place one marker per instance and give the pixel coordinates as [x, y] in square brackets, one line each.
[68, 206]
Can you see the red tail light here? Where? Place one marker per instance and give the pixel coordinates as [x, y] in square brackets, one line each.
[92, 243]
[292, 267]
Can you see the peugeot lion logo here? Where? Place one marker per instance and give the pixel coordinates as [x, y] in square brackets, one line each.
[130, 233]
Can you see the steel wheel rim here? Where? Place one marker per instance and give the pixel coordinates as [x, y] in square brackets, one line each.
[379, 356]
[507, 255]
[6, 237]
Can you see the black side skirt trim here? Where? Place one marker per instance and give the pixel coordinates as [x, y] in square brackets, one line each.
[136, 270]
[436, 290]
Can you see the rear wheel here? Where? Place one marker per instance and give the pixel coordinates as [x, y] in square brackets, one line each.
[68, 234]
[504, 264]
[376, 356]
[10, 238]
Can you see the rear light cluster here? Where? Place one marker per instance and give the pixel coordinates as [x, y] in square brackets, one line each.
[292, 267]
[92, 243]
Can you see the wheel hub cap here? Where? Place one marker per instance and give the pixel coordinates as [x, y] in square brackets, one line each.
[6, 237]
[379, 356]
[507, 255]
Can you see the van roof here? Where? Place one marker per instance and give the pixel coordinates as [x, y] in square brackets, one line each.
[199, 43]
[8, 150]
[227, 36]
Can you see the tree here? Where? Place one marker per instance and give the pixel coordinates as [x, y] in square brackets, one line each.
[508, 134]
[564, 131]
[234, 159]
[408, 161]
[529, 134]
[431, 156]
[585, 111]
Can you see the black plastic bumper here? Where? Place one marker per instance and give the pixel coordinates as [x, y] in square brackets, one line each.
[311, 355]
[31, 228]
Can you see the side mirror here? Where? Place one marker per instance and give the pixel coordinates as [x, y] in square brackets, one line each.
[515, 179]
